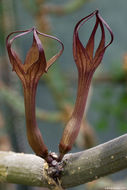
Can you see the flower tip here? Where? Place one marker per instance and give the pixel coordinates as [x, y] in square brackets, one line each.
[97, 11]
[33, 28]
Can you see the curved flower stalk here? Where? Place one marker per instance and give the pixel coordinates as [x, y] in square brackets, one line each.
[86, 61]
[35, 65]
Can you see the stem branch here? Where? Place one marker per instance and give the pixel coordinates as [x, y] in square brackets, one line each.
[80, 167]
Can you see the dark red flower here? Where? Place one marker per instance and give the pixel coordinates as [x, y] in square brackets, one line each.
[86, 61]
[34, 67]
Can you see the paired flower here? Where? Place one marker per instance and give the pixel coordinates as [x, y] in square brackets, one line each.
[86, 61]
[35, 65]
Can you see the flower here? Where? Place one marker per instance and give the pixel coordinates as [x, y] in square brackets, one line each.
[35, 65]
[86, 61]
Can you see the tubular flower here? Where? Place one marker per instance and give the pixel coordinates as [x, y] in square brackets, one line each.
[86, 61]
[35, 65]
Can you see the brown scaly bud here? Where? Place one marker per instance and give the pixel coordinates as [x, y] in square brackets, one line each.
[86, 61]
[35, 65]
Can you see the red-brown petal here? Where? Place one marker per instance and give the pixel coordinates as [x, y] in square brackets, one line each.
[55, 57]
[90, 44]
[35, 62]
[14, 58]
[81, 56]
[102, 47]
[32, 56]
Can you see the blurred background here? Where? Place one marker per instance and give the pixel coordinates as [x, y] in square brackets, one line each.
[107, 103]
